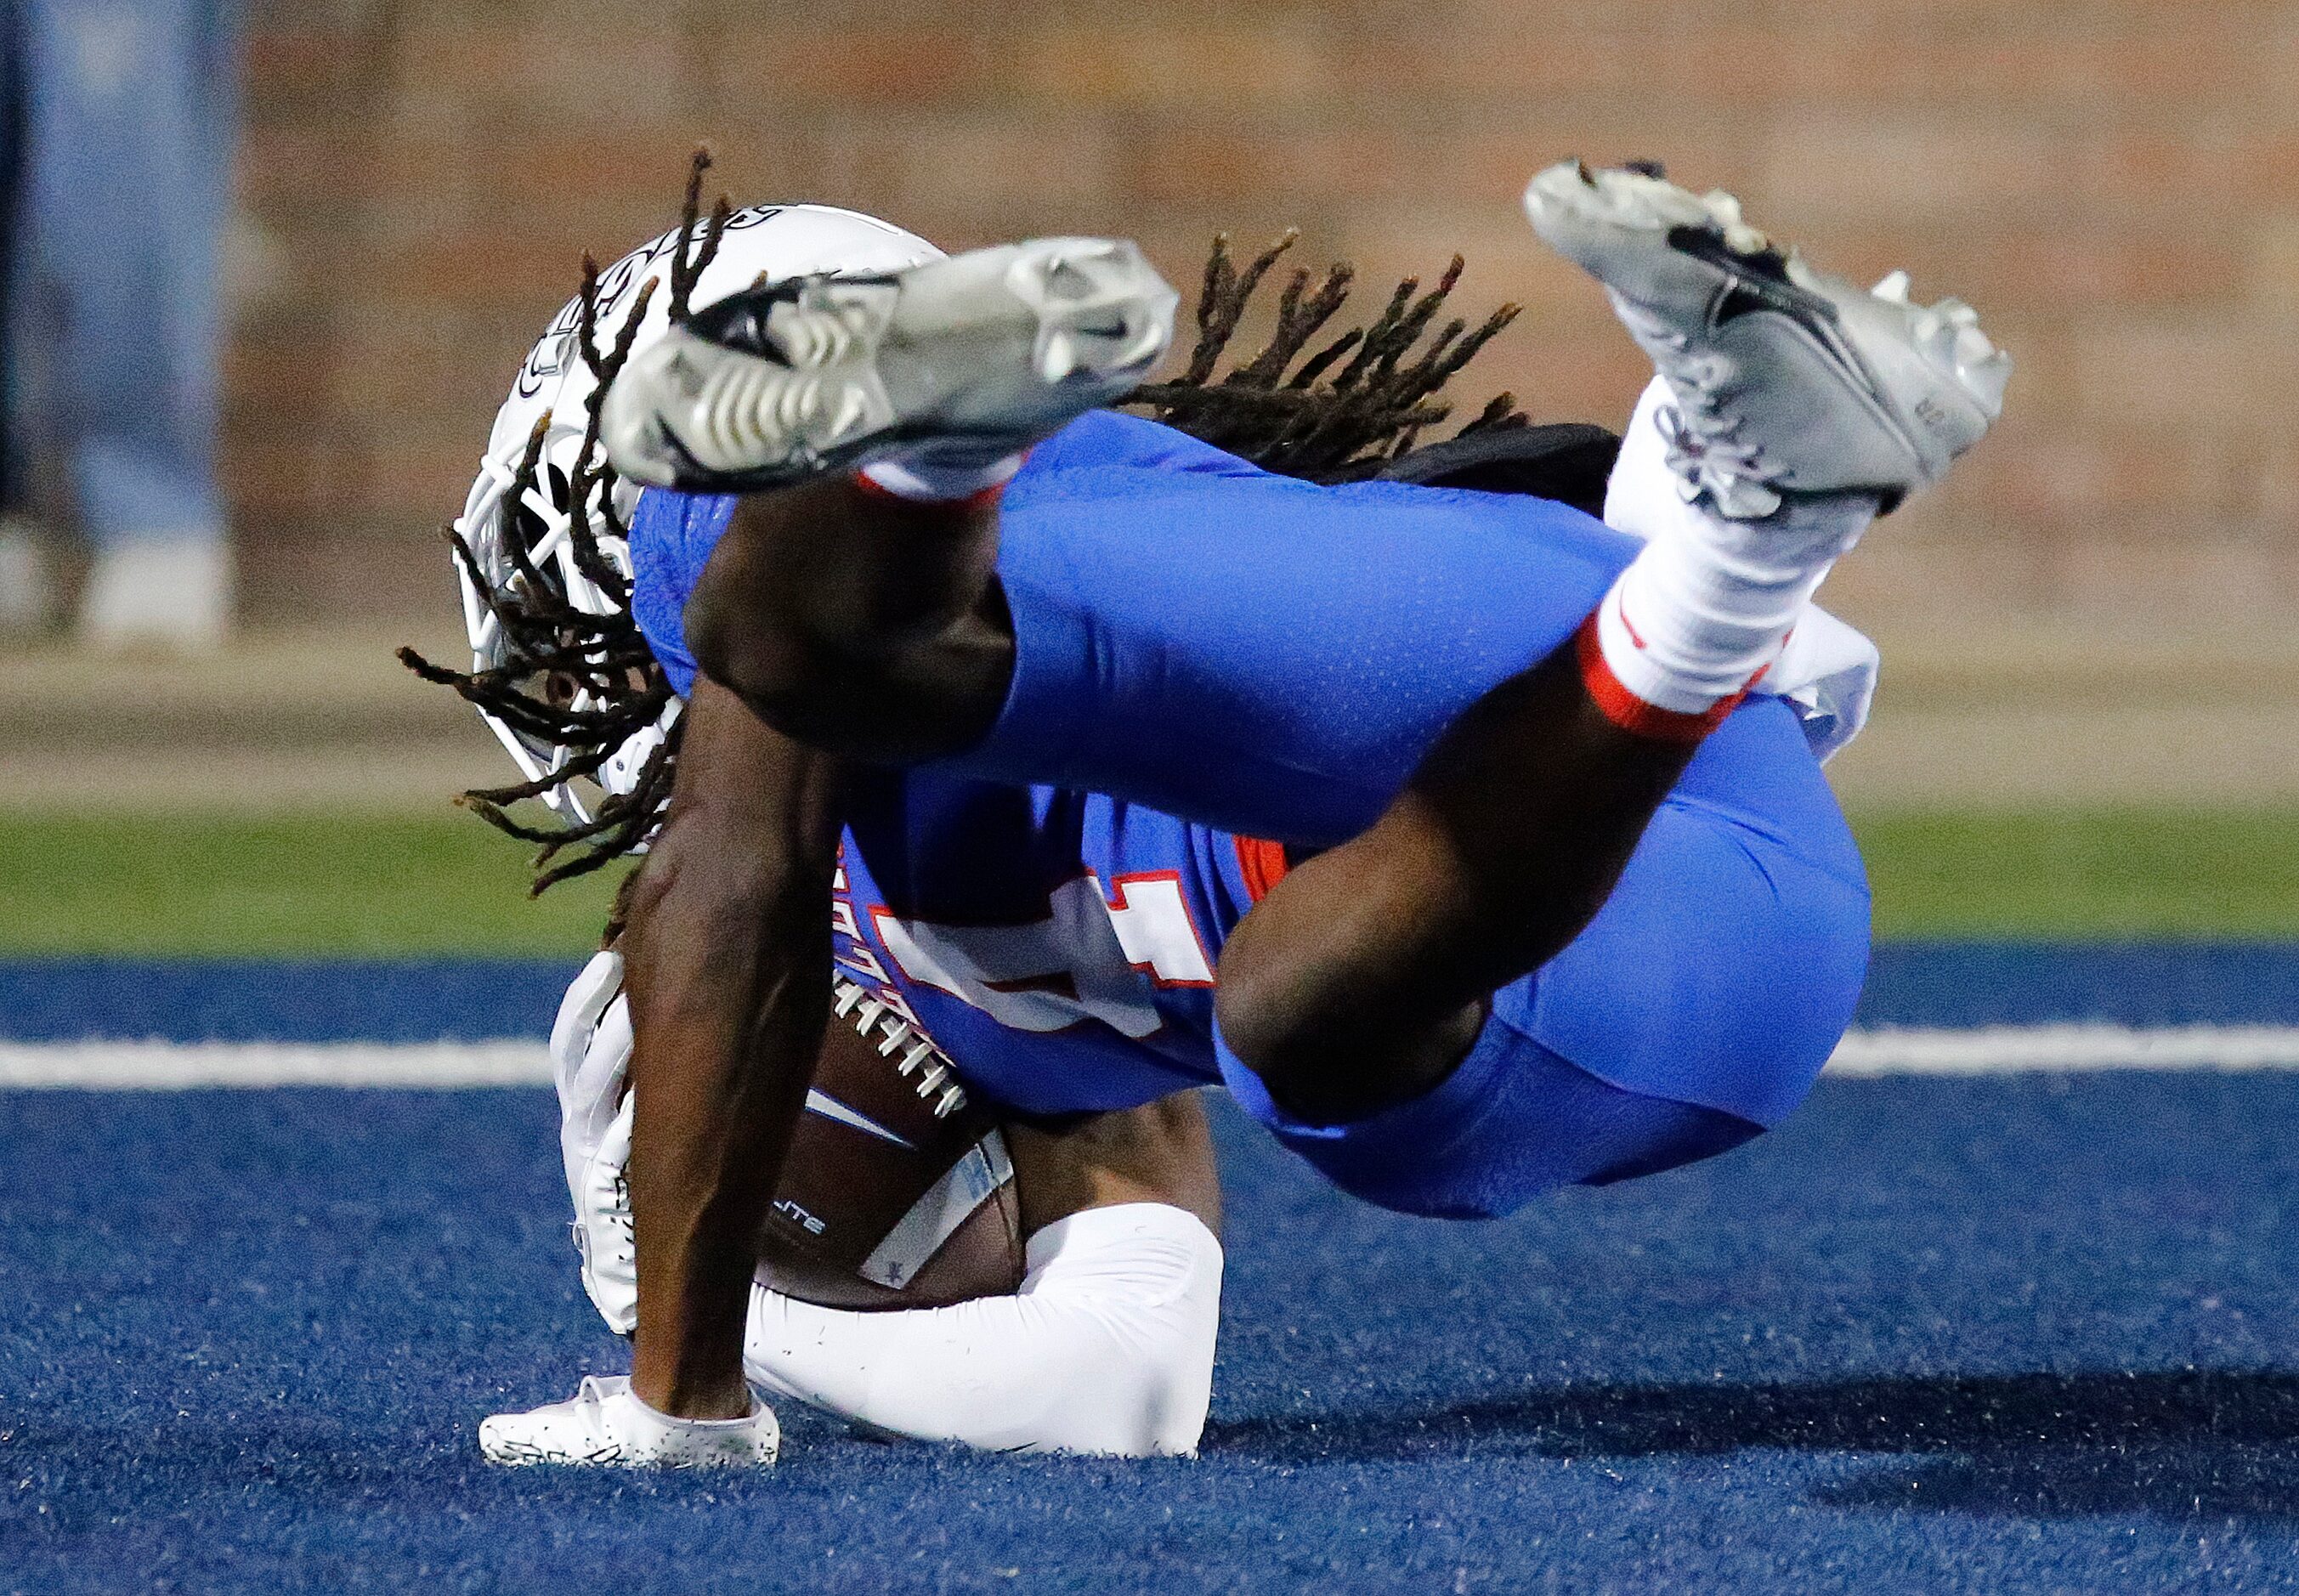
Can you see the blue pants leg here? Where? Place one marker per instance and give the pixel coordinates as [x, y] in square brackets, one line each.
[128, 118]
[1693, 1012]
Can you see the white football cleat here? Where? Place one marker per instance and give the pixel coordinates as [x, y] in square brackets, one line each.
[1788, 381]
[604, 1425]
[964, 360]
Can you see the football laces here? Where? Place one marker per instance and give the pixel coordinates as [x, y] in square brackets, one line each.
[915, 1057]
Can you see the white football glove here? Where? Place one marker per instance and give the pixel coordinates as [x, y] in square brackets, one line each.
[605, 1425]
[590, 1061]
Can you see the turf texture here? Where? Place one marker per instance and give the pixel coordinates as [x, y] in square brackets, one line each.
[2004, 1334]
[350, 886]
[401, 1000]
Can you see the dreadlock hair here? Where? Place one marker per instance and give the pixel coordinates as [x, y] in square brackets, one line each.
[559, 652]
[1345, 427]
[1366, 417]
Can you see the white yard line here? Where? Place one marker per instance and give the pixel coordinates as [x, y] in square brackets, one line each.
[2005, 1050]
[127, 1065]
[1992, 1049]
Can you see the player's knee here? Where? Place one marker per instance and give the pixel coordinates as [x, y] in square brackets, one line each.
[856, 695]
[787, 678]
[1258, 1006]
[1323, 1064]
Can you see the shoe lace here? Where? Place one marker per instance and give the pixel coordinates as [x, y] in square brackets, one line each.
[1704, 447]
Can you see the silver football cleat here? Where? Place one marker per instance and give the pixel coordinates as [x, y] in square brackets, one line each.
[966, 359]
[603, 1425]
[1788, 381]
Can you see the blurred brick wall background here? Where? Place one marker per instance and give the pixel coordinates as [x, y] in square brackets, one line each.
[2115, 183]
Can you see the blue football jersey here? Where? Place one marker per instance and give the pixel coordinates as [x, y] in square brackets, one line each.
[1059, 946]
[1198, 638]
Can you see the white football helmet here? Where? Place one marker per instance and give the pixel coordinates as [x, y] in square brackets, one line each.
[761, 243]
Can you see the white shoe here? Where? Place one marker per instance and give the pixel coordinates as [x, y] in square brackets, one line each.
[604, 1425]
[1787, 380]
[164, 592]
[960, 360]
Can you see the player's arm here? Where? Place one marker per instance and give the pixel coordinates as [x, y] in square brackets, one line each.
[1108, 1346]
[728, 961]
[1098, 1334]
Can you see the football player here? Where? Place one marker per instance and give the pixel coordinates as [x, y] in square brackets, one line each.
[895, 1288]
[1502, 831]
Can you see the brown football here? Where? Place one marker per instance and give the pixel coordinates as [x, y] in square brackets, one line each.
[896, 1191]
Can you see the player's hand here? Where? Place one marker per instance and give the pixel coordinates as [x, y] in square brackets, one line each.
[590, 1055]
[590, 1061]
[604, 1425]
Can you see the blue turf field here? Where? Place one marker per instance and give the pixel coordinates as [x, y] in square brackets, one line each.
[422, 1000]
[2009, 1333]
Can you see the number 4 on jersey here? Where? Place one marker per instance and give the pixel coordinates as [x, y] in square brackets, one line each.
[1084, 961]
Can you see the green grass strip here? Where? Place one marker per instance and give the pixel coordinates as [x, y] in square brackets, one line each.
[2085, 873]
[446, 885]
[353, 885]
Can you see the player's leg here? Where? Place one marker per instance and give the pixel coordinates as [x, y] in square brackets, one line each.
[1691, 1014]
[870, 589]
[1801, 405]
[131, 160]
[854, 618]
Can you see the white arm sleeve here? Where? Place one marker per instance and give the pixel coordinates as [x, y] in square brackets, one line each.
[1108, 1346]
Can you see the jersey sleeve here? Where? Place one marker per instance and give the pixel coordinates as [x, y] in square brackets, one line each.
[672, 535]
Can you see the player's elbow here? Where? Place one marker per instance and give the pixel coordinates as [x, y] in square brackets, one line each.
[1138, 1290]
[726, 896]
[1260, 1001]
